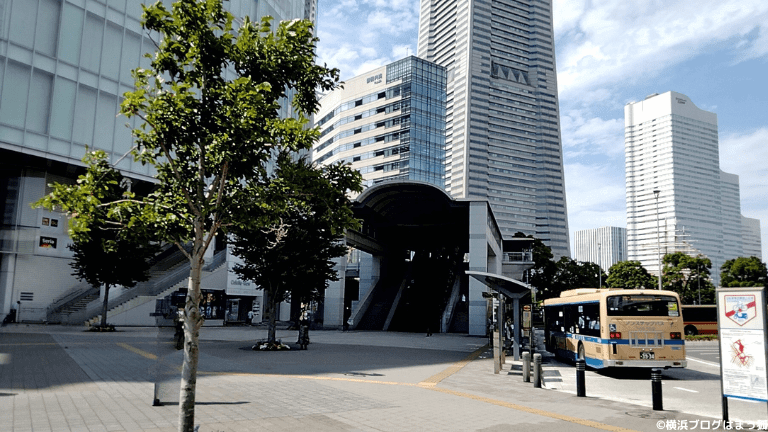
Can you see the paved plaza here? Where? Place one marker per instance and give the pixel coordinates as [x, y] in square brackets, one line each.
[57, 378]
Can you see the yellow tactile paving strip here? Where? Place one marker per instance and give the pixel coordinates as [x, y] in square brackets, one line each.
[452, 369]
[429, 384]
[137, 351]
[590, 423]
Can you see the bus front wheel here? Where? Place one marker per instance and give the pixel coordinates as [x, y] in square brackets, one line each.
[581, 355]
[691, 330]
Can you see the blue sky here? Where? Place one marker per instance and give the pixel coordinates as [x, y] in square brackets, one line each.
[610, 54]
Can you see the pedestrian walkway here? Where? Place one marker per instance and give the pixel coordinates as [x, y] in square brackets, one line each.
[55, 378]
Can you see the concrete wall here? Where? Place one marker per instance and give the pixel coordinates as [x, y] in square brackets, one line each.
[485, 253]
[334, 297]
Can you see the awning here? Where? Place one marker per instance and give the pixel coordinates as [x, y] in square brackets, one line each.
[511, 288]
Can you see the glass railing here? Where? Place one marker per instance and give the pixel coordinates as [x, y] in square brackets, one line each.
[518, 256]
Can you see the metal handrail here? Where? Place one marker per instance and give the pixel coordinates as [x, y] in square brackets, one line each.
[81, 290]
[218, 260]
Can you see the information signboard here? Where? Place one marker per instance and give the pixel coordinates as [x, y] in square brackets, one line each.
[742, 328]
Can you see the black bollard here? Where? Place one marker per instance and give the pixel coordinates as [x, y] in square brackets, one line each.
[537, 370]
[581, 388]
[526, 366]
[656, 389]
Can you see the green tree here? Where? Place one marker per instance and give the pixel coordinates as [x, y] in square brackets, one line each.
[630, 275]
[744, 272]
[573, 274]
[689, 277]
[293, 258]
[542, 275]
[209, 134]
[104, 253]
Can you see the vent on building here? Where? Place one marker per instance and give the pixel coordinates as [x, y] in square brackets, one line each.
[27, 296]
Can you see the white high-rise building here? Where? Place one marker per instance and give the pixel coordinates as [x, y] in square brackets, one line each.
[502, 124]
[604, 246]
[750, 232]
[673, 169]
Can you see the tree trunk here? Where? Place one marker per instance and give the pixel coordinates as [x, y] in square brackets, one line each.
[192, 324]
[271, 338]
[104, 307]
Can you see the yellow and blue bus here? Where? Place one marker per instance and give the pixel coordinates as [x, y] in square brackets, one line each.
[616, 327]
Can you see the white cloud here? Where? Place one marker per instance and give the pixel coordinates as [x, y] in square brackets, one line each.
[610, 43]
[591, 136]
[400, 51]
[369, 65]
[595, 195]
[368, 35]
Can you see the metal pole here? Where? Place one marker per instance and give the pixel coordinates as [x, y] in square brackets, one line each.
[581, 367]
[537, 370]
[658, 233]
[656, 390]
[698, 279]
[599, 268]
[517, 325]
[526, 366]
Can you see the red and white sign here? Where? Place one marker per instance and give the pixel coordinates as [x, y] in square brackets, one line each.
[740, 308]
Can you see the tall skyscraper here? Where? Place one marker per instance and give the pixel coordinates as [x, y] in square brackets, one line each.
[64, 65]
[603, 246]
[750, 232]
[671, 146]
[388, 123]
[502, 124]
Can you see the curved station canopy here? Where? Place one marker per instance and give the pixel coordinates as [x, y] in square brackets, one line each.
[410, 215]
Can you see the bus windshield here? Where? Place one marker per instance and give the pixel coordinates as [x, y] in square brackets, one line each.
[643, 305]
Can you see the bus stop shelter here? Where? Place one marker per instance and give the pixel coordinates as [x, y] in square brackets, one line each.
[512, 289]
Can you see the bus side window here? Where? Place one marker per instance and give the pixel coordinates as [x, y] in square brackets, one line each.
[591, 313]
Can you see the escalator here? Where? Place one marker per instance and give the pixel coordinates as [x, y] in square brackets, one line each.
[384, 294]
[426, 294]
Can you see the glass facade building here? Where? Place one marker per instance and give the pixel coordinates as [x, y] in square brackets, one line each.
[502, 127]
[64, 66]
[389, 123]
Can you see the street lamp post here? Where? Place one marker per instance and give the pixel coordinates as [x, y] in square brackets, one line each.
[658, 233]
[698, 279]
[599, 268]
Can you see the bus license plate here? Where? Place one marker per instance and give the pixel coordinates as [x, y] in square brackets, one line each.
[647, 356]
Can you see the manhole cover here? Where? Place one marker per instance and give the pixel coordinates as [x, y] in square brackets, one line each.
[656, 415]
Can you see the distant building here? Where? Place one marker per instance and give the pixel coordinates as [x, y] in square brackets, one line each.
[503, 139]
[750, 229]
[603, 246]
[388, 123]
[671, 146]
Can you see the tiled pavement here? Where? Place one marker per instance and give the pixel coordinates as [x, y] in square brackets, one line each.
[61, 379]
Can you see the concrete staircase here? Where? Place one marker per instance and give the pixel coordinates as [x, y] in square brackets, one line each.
[165, 278]
[80, 304]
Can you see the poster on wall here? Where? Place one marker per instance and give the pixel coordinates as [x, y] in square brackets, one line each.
[741, 322]
[235, 285]
[48, 242]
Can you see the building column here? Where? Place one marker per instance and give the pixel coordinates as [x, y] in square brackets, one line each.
[7, 271]
[333, 306]
[478, 261]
